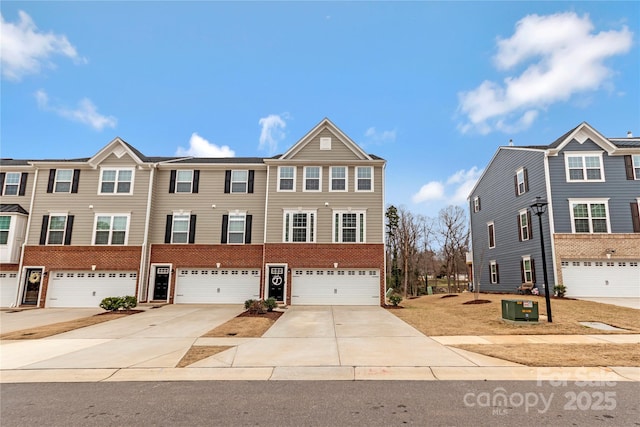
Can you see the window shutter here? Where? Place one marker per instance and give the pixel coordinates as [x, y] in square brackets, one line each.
[2, 174]
[67, 231]
[76, 181]
[227, 181]
[635, 217]
[519, 228]
[196, 181]
[225, 226]
[192, 229]
[515, 183]
[43, 229]
[526, 180]
[52, 180]
[533, 270]
[628, 166]
[529, 225]
[489, 272]
[23, 183]
[250, 183]
[479, 207]
[172, 182]
[522, 278]
[497, 274]
[247, 228]
[167, 230]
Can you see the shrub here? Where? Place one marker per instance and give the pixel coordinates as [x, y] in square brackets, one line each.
[270, 303]
[560, 290]
[257, 307]
[118, 303]
[129, 302]
[395, 299]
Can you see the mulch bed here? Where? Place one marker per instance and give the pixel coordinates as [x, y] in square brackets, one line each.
[477, 301]
[120, 312]
[392, 307]
[273, 315]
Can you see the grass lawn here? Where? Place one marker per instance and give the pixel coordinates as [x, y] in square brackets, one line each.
[438, 315]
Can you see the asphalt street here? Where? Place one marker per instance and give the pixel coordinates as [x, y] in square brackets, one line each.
[321, 403]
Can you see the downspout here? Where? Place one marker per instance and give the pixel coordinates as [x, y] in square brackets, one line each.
[16, 301]
[383, 275]
[264, 237]
[144, 286]
[551, 222]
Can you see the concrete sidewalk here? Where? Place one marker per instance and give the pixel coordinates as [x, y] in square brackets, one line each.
[307, 343]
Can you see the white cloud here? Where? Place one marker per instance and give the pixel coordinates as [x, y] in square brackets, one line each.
[200, 147]
[272, 131]
[25, 49]
[86, 113]
[380, 137]
[563, 57]
[454, 190]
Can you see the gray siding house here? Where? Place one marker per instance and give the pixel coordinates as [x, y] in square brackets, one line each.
[591, 228]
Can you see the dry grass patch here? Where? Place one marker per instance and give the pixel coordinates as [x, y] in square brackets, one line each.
[577, 355]
[437, 316]
[59, 328]
[199, 352]
[245, 326]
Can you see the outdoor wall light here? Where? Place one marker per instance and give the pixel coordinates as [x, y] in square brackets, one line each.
[217, 265]
[335, 265]
[326, 203]
[93, 268]
[610, 252]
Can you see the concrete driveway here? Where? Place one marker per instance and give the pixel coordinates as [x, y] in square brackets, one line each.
[15, 320]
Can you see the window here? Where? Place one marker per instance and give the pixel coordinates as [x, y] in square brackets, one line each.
[57, 226]
[476, 204]
[63, 181]
[236, 228]
[527, 270]
[299, 226]
[636, 166]
[584, 167]
[116, 181]
[364, 178]
[286, 178]
[338, 178]
[635, 215]
[312, 178]
[349, 226]
[632, 166]
[111, 229]
[521, 181]
[184, 181]
[493, 271]
[589, 216]
[492, 235]
[239, 181]
[524, 225]
[5, 224]
[11, 184]
[180, 231]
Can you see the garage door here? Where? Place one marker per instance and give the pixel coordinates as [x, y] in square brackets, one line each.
[335, 287]
[88, 288]
[601, 278]
[217, 286]
[8, 289]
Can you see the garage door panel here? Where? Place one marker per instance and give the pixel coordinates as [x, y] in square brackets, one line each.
[88, 289]
[601, 278]
[215, 286]
[335, 287]
[8, 289]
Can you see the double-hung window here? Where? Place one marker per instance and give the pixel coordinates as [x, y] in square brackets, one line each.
[312, 178]
[299, 226]
[180, 230]
[527, 269]
[364, 178]
[584, 167]
[111, 229]
[349, 226]
[286, 178]
[236, 228]
[57, 227]
[524, 225]
[492, 234]
[63, 181]
[11, 184]
[184, 181]
[5, 225]
[239, 181]
[116, 181]
[493, 272]
[636, 166]
[476, 204]
[589, 216]
[338, 178]
[521, 181]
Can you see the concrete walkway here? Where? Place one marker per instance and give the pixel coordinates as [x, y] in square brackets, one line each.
[307, 343]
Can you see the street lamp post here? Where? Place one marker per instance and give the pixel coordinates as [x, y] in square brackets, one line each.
[538, 207]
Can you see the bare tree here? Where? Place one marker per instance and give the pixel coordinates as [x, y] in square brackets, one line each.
[453, 236]
[408, 234]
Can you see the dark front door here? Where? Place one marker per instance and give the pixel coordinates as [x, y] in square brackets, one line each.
[161, 284]
[32, 286]
[277, 282]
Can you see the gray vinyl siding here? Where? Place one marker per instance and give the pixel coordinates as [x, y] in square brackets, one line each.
[620, 191]
[500, 205]
[311, 151]
[210, 192]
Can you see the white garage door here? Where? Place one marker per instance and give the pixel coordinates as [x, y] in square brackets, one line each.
[217, 286]
[8, 289]
[335, 287]
[88, 288]
[601, 278]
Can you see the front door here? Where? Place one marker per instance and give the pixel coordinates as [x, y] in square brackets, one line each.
[277, 276]
[161, 284]
[32, 286]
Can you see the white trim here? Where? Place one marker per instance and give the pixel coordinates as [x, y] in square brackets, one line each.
[524, 259]
[304, 179]
[524, 184]
[491, 224]
[143, 279]
[246, 182]
[361, 224]
[313, 224]
[184, 182]
[358, 179]
[589, 202]
[635, 157]
[56, 181]
[492, 264]
[346, 179]
[266, 278]
[476, 204]
[242, 214]
[583, 155]
[173, 224]
[64, 229]
[521, 228]
[152, 279]
[115, 183]
[17, 185]
[23, 288]
[111, 215]
[293, 187]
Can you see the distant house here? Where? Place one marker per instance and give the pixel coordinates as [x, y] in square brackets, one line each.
[304, 227]
[591, 228]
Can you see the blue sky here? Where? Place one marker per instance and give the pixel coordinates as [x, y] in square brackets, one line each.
[432, 87]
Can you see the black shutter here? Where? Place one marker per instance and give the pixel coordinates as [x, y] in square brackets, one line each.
[76, 180]
[167, 229]
[247, 229]
[635, 217]
[2, 174]
[515, 183]
[43, 229]
[519, 227]
[52, 180]
[529, 224]
[67, 231]
[23, 183]
[497, 274]
[196, 181]
[526, 180]
[227, 181]
[225, 226]
[172, 182]
[628, 167]
[192, 229]
[533, 270]
[250, 184]
[479, 204]
[522, 278]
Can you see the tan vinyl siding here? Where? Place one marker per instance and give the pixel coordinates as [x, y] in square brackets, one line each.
[311, 151]
[28, 190]
[210, 192]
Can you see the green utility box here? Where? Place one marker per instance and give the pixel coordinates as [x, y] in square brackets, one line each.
[520, 310]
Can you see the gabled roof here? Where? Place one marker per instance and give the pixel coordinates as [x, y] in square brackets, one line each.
[326, 124]
[119, 148]
[12, 208]
[581, 133]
